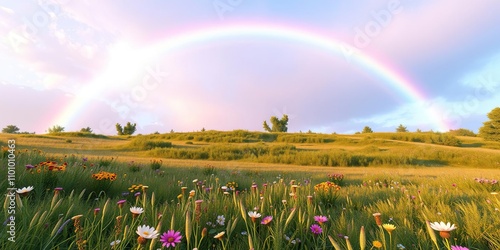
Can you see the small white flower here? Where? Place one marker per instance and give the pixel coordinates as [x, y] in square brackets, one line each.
[24, 190]
[147, 232]
[254, 214]
[136, 210]
[441, 226]
[221, 220]
[116, 242]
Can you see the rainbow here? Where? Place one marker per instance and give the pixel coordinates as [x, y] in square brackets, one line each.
[387, 73]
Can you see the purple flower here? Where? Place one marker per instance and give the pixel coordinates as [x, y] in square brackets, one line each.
[137, 194]
[316, 229]
[170, 238]
[320, 219]
[459, 248]
[266, 220]
[29, 166]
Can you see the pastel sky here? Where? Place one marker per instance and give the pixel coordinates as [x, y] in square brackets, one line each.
[332, 66]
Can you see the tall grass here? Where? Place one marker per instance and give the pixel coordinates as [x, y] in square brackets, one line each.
[45, 218]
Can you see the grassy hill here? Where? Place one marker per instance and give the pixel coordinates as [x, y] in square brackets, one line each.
[306, 149]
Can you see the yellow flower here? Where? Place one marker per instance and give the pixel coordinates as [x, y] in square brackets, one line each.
[389, 227]
[377, 244]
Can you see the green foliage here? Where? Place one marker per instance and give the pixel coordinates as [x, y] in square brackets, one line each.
[128, 129]
[146, 143]
[401, 128]
[56, 129]
[406, 200]
[155, 164]
[277, 125]
[69, 134]
[490, 130]
[86, 130]
[462, 132]
[134, 167]
[10, 129]
[367, 129]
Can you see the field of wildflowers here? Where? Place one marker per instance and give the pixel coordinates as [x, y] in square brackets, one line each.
[77, 202]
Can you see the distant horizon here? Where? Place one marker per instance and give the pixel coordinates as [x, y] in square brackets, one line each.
[227, 65]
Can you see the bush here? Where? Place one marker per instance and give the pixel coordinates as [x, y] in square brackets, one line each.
[155, 164]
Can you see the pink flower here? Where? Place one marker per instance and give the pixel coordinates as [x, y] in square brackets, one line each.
[170, 238]
[266, 220]
[320, 219]
[458, 248]
[316, 229]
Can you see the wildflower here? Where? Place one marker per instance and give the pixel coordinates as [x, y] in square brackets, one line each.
[459, 248]
[389, 227]
[192, 193]
[401, 246]
[170, 238]
[96, 210]
[29, 166]
[320, 219]
[137, 194]
[24, 191]
[136, 211]
[316, 229]
[254, 215]
[309, 199]
[377, 244]
[145, 233]
[220, 235]
[378, 219]
[115, 243]
[444, 229]
[221, 220]
[120, 203]
[57, 189]
[266, 220]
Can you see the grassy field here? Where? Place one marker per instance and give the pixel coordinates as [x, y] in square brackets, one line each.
[321, 191]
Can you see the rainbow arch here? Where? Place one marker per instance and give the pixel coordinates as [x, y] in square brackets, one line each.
[387, 73]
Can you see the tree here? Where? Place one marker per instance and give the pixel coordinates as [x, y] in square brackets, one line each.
[367, 129]
[462, 132]
[10, 129]
[490, 130]
[119, 129]
[56, 129]
[129, 129]
[86, 130]
[401, 128]
[277, 125]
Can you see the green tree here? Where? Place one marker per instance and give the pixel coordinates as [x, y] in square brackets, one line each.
[86, 130]
[462, 132]
[56, 129]
[119, 129]
[490, 130]
[277, 125]
[367, 129]
[128, 129]
[10, 129]
[401, 128]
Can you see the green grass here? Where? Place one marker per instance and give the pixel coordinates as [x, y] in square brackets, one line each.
[409, 183]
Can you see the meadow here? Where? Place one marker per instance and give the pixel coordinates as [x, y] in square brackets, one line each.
[251, 190]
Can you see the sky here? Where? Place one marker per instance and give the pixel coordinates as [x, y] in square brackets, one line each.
[331, 66]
